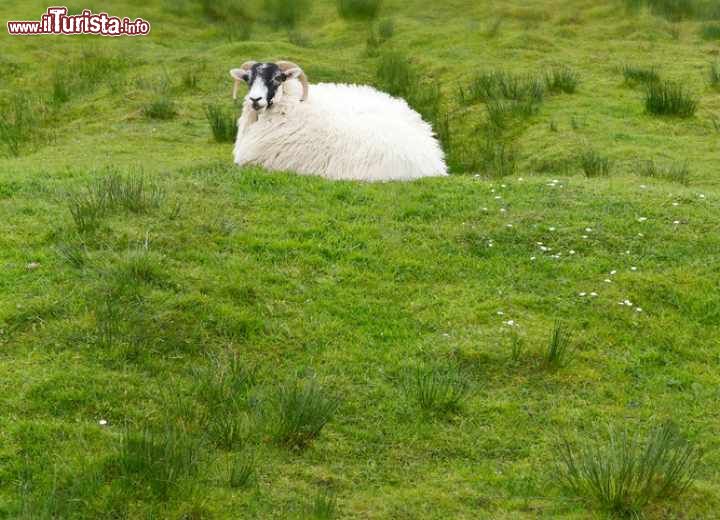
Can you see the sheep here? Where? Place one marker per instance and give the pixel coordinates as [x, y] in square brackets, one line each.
[337, 131]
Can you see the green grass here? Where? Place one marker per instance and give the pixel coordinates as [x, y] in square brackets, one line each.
[670, 99]
[223, 123]
[594, 164]
[163, 311]
[714, 75]
[639, 74]
[626, 472]
[558, 347]
[362, 9]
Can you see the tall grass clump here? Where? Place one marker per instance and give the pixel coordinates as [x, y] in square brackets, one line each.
[18, 119]
[161, 107]
[558, 347]
[303, 410]
[711, 31]
[594, 164]
[358, 9]
[440, 390]
[133, 193]
[323, 507]
[156, 461]
[75, 77]
[625, 472]
[241, 471]
[562, 80]
[714, 75]
[223, 123]
[679, 173]
[674, 10]
[669, 99]
[224, 10]
[639, 74]
[496, 85]
[286, 13]
[396, 76]
[386, 29]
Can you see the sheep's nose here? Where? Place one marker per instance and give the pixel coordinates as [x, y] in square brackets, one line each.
[255, 102]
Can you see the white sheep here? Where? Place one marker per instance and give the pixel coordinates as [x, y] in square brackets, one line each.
[337, 131]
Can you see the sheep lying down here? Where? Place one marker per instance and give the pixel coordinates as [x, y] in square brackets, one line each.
[337, 131]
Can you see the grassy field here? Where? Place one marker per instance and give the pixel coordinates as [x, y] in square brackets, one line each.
[184, 339]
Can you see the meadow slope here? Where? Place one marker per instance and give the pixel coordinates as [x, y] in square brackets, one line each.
[164, 314]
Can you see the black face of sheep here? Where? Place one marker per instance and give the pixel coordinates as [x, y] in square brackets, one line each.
[264, 81]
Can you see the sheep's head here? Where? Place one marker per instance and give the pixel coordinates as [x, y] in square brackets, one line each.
[264, 81]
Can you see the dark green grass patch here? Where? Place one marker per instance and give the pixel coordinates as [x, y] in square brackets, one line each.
[361, 9]
[223, 123]
[562, 80]
[624, 472]
[670, 99]
[162, 108]
[639, 74]
[714, 75]
[324, 506]
[710, 31]
[241, 471]
[594, 164]
[437, 389]
[497, 85]
[78, 76]
[558, 347]
[679, 173]
[154, 462]
[18, 120]
[286, 13]
[303, 408]
[113, 192]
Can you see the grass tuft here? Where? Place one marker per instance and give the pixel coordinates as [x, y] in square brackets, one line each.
[223, 123]
[359, 9]
[18, 120]
[625, 472]
[638, 74]
[669, 99]
[241, 472]
[557, 350]
[323, 507]
[679, 173]
[562, 80]
[161, 107]
[286, 13]
[157, 461]
[438, 390]
[303, 410]
[714, 75]
[710, 31]
[593, 164]
[110, 193]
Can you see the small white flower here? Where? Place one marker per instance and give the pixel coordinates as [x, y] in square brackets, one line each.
[642, 219]
[32, 266]
[533, 258]
[477, 175]
[551, 229]
[509, 323]
[641, 235]
[628, 303]
[572, 251]
[492, 190]
[593, 294]
[633, 268]
[642, 186]
[502, 210]
[613, 272]
[608, 280]
[484, 209]
[675, 203]
[638, 309]
[585, 237]
[676, 222]
[503, 185]
[520, 179]
[498, 197]
[540, 243]
[102, 422]
[589, 230]
[509, 225]
[701, 196]
[583, 294]
[500, 313]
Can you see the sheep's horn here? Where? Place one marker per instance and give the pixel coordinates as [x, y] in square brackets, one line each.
[245, 66]
[287, 65]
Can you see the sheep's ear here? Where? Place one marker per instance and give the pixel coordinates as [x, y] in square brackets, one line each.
[240, 74]
[293, 73]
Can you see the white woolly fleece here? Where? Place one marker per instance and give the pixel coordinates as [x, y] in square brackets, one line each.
[348, 132]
